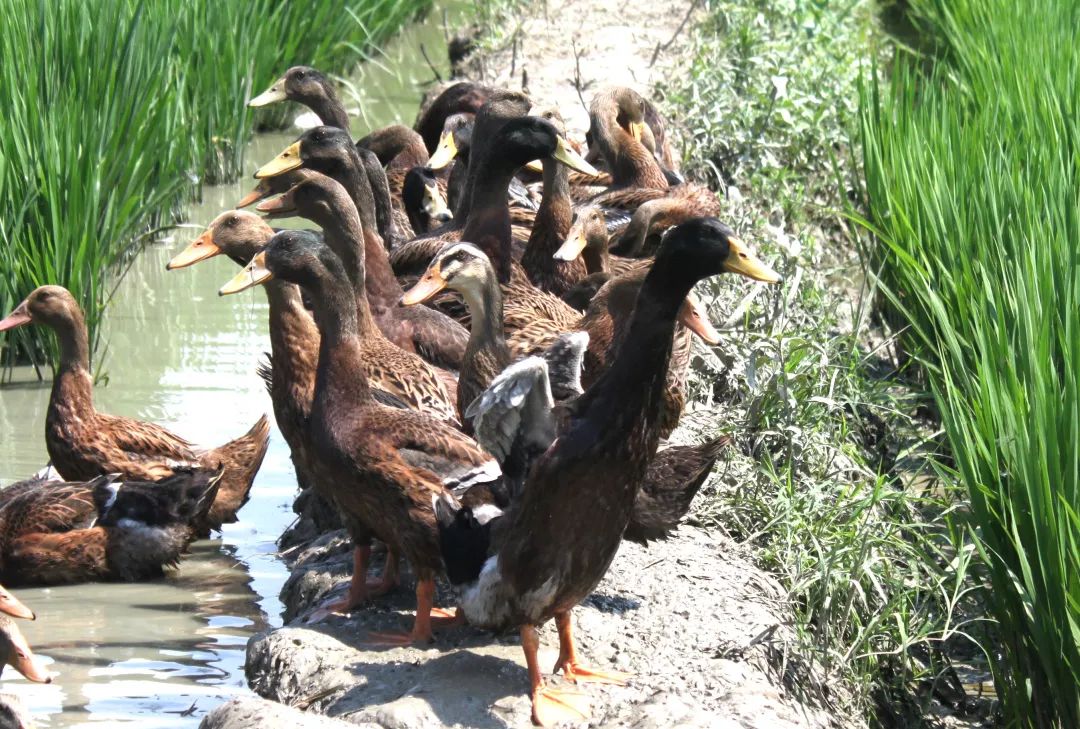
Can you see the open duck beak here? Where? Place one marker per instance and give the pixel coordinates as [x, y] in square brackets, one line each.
[23, 659]
[282, 207]
[17, 318]
[285, 162]
[637, 131]
[566, 154]
[434, 204]
[200, 249]
[693, 316]
[253, 274]
[574, 244]
[272, 95]
[444, 153]
[740, 260]
[431, 283]
[261, 191]
[11, 605]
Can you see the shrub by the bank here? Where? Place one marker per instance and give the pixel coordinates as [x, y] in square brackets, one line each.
[830, 487]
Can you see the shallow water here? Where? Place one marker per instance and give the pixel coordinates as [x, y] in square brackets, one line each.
[162, 653]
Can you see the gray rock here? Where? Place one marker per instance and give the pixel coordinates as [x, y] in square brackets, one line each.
[249, 712]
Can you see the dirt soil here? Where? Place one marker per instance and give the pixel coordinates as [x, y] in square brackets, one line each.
[701, 628]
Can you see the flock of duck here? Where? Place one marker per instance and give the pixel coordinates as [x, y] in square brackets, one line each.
[505, 435]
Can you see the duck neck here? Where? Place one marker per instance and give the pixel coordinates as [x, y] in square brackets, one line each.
[345, 236]
[457, 181]
[340, 380]
[73, 386]
[292, 332]
[488, 224]
[486, 335]
[632, 165]
[367, 261]
[553, 221]
[595, 255]
[630, 392]
[328, 107]
[380, 194]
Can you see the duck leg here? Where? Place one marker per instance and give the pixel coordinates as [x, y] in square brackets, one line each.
[359, 588]
[422, 626]
[550, 705]
[568, 661]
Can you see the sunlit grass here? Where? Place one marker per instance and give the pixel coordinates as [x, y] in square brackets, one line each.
[114, 111]
[974, 191]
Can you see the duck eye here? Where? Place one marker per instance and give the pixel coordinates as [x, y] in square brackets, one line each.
[301, 74]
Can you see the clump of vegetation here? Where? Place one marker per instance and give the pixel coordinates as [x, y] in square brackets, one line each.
[113, 111]
[833, 489]
[973, 192]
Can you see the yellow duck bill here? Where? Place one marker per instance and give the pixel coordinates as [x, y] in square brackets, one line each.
[272, 95]
[444, 153]
[740, 260]
[285, 162]
[254, 274]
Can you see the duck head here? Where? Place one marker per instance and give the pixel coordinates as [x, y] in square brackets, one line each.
[236, 233]
[459, 266]
[52, 306]
[300, 83]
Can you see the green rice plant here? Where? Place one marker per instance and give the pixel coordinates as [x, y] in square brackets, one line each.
[91, 145]
[972, 167]
[113, 111]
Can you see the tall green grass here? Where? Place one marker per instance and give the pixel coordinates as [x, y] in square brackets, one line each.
[972, 167]
[113, 111]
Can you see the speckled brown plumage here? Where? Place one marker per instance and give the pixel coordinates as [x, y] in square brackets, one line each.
[428, 333]
[382, 466]
[388, 366]
[670, 484]
[84, 443]
[606, 321]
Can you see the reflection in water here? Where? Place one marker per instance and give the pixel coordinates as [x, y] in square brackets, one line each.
[145, 654]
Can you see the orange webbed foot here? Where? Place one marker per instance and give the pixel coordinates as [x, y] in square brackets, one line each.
[400, 639]
[582, 674]
[554, 705]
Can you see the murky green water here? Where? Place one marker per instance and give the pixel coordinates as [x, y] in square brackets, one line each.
[145, 654]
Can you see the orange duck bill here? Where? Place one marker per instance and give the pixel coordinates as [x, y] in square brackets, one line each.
[200, 249]
[282, 207]
[694, 317]
[431, 283]
[262, 191]
[17, 318]
[10, 604]
[17, 654]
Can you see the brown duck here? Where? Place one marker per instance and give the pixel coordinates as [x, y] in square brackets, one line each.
[428, 333]
[401, 373]
[63, 532]
[383, 466]
[509, 570]
[84, 443]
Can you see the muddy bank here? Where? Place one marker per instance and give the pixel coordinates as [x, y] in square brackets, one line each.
[702, 630]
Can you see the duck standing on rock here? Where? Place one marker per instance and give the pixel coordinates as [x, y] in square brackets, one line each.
[555, 542]
[381, 465]
[84, 443]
